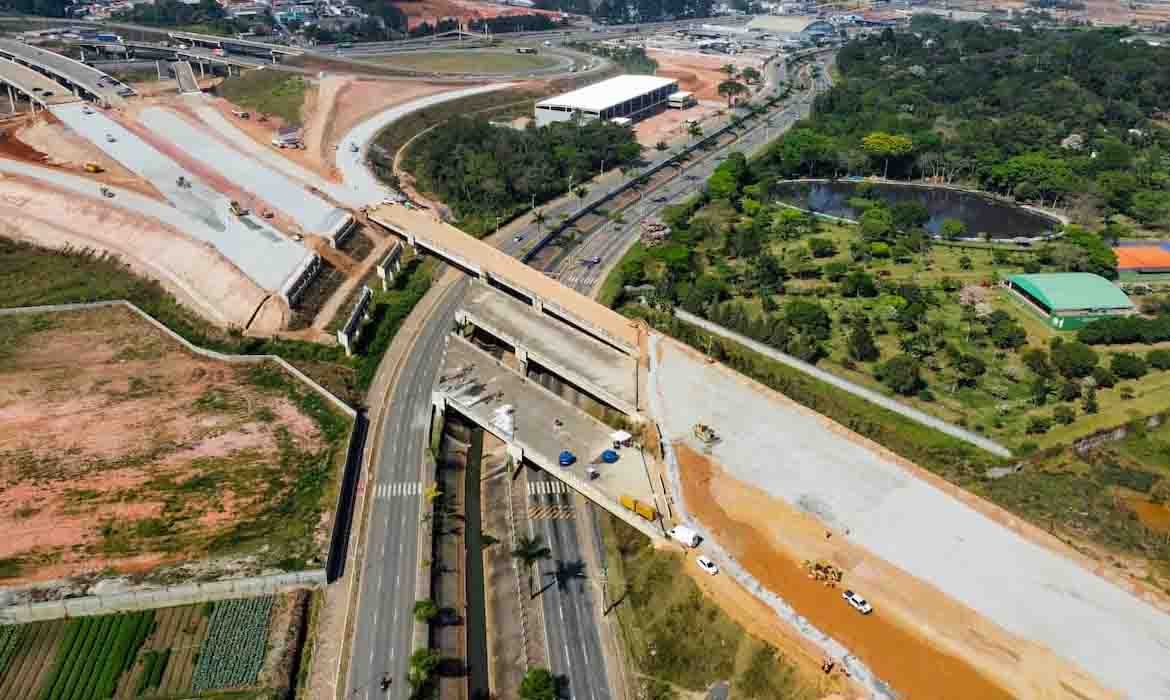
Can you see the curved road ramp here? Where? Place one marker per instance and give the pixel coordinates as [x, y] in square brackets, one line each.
[271, 260]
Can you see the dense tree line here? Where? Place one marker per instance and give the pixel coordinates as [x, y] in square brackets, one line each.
[623, 11]
[1052, 117]
[1131, 329]
[170, 13]
[483, 172]
[41, 8]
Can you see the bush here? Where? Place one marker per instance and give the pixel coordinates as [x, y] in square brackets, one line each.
[1128, 366]
[538, 684]
[1074, 359]
[902, 374]
[425, 610]
[1064, 414]
[1126, 329]
[1104, 378]
[1127, 393]
[1038, 425]
[1158, 359]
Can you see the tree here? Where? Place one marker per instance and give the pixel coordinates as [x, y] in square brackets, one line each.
[1090, 403]
[538, 684]
[1158, 359]
[809, 317]
[879, 144]
[858, 284]
[1070, 391]
[822, 247]
[1127, 365]
[1064, 415]
[876, 224]
[1038, 425]
[423, 664]
[901, 374]
[530, 550]
[539, 217]
[694, 130]
[1037, 361]
[729, 69]
[1104, 378]
[731, 89]
[952, 229]
[969, 369]
[1074, 359]
[860, 345]
[750, 75]
[425, 610]
[965, 262]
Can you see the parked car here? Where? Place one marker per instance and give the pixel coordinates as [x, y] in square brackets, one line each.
[707, 565]
[859, 604]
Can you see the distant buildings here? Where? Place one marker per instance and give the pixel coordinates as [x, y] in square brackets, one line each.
[626, 96]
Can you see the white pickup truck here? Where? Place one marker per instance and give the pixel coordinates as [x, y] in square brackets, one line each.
[685, 535]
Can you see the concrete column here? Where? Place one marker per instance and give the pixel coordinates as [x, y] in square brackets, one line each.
[201, 75]
[522, 357]
[11, 101]
[439, 401]
[538, 305]
[516, 452]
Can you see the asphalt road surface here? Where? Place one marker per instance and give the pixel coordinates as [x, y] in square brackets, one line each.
[384, 621]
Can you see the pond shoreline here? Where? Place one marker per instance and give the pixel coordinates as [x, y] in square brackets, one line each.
[1052, 218]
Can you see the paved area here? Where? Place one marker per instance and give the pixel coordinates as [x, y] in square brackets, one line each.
[185, 76]
[576, 357]
[88, 78]
[40, 89]
[481, 388]
[1025, 588]
[868, 394]
[259, 250]
[313, 214]
[352, 165]
[266, 154]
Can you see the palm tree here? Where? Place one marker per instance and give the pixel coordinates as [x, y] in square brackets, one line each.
[730, 89]
[729, 69]
[530, 550]
[539, 217]
[694, 130]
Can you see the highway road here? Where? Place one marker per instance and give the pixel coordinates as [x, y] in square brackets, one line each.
[384, 624]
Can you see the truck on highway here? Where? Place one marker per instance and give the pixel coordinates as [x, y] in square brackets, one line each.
[685, 535]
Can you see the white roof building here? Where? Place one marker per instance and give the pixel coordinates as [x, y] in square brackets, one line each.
[623, 96]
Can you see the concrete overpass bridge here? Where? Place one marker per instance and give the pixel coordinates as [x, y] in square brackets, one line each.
[35, 87]
[241, 46]
[82, 80]
[194, 54]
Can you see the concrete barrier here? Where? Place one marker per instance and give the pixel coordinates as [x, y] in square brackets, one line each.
[185, 594]
[348, 334]
[390, 265]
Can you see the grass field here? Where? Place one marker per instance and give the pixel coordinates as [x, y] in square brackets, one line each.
[267, 92]
[211, 650]
[676, 639]
[468, 61]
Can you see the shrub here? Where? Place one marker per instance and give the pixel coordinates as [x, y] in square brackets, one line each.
[1126, 393]
[1158, 359]
[1074, 359]
[1039, 425]
[1064, 415]
[902, 374]
[1127, 365]
[1104, 378]
[425, 610]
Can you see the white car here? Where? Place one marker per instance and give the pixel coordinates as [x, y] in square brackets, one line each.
[707, 565]
[859, 604]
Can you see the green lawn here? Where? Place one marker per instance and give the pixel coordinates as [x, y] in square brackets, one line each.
[268, 92]
[468, 61]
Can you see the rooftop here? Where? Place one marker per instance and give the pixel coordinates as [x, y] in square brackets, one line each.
[608, 93]
[1073, 290]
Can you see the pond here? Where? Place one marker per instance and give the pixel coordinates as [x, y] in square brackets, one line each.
[981, 214]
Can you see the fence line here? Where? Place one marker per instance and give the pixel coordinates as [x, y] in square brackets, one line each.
[213, 354]
[184, 594]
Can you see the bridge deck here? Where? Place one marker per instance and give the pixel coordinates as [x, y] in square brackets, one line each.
[47, 92]
[184, 74]
[88, 78]
[448, 241]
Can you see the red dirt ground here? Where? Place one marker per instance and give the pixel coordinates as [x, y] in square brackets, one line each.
[104, 416]
[430, 10]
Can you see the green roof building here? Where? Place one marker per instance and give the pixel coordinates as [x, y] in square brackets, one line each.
[1069, 300]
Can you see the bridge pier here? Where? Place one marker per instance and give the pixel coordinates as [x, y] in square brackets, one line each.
[516, 453]
[11, 101]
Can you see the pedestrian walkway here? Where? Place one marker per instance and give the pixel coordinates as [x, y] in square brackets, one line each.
[846, 385]
[384, 492]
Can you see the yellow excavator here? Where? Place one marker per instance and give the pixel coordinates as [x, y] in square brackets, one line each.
[705, 434]
[94, 168]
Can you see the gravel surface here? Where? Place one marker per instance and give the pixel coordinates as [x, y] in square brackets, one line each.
[1023, 587]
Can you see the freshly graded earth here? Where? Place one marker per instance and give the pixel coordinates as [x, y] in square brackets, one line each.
[124, 453]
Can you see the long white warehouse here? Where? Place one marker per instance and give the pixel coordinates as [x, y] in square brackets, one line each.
[628, 96]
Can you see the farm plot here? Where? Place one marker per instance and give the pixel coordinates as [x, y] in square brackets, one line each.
[92, 656]
[167, 660]
[233, 653]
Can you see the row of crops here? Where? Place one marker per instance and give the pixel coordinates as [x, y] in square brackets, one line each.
[9, 641]
[93, 655]
[154, 664]
[233, 652]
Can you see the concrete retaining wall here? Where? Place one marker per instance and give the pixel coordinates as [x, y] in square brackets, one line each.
[185, 594]
[296, 285]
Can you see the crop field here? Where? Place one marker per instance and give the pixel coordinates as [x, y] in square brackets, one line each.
[126, 453]
[188, 651]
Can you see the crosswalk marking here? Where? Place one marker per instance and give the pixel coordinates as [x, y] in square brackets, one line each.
[550, 512]
[385, 492]
[537, 488]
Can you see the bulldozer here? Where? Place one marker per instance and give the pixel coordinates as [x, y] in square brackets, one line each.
[705, 434]
[94, 168]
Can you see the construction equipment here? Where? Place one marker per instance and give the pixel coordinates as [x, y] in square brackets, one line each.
[824, 572]
[94, 168]
[237, 209]
[107, 192]
[644, 510]
[705, 434]
[183, 182]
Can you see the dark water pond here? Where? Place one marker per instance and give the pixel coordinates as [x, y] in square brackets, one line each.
[980, 214]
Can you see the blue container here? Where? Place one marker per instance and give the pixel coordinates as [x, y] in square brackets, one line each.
[609, 456]
[567, 458]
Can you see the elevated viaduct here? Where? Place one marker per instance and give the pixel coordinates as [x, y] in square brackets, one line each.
[38, 89]
[84, 81]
